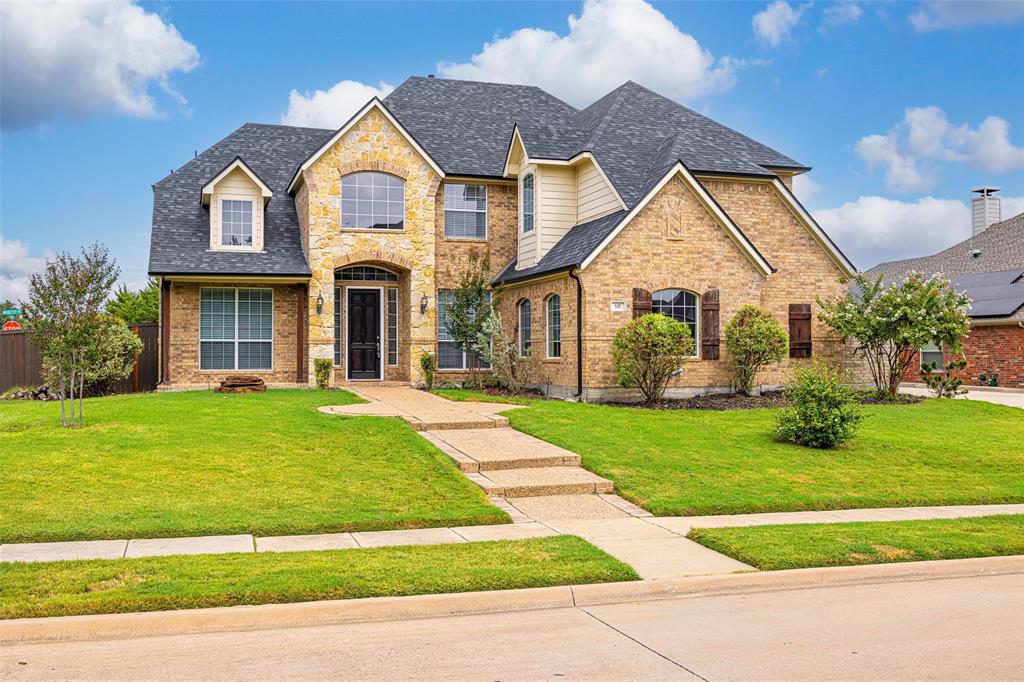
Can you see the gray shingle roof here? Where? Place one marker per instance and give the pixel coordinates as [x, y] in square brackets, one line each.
[180, 242]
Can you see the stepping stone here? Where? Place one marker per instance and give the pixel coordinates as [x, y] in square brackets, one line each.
[211, 544]
[561, 480]
[502, 448]
[63, 551]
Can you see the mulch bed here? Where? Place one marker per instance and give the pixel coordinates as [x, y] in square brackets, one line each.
[530, 393]
[737, 401]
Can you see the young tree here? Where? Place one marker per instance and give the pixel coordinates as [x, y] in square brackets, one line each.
[648, 350]
[135, 307]
[754, 339]
[470, 306]
[62, 319]
[501, 352]
[889, 323]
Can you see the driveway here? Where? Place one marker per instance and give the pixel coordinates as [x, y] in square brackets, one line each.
[1013, 398]
[962, 629]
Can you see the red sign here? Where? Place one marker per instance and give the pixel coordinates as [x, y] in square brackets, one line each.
[11, 326]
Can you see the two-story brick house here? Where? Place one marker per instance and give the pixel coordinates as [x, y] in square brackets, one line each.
[281, 245]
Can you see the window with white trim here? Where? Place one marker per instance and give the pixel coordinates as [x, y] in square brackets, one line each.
[524, 328]
[450, 354]
[372, 201]
[392, 326]
[553, 315]
[528, 203]
[235, 222]
[680, 305]
[932, 353]
[465, 211]
[236, 329]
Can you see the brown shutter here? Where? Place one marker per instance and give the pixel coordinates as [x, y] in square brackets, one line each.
[641, 302]
[709, 329]
[799, 330]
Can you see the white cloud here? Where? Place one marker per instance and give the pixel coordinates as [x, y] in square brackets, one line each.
[821, 72]
[77, 58]
[774, 23]
[909, 152]
[875, 229]
[941, 15]
[331, 108]
[804, 188]
[16, 265]
[839, 14]
[608, 43]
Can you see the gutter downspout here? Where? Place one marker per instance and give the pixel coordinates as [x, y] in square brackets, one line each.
[579, 335]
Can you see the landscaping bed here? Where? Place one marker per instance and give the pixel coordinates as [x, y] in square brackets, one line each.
[771, 548]
[185, 582]
[202, 463]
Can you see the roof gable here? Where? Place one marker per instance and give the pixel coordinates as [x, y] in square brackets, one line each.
[237, 164]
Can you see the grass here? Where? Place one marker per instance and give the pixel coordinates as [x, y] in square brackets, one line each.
[772, 548]
[691, 462]
[184, 582]
[202, 463]
[465, 395]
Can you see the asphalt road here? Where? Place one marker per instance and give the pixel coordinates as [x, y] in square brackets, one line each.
[953, 629]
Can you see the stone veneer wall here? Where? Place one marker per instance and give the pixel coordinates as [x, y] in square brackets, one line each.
[184, 336]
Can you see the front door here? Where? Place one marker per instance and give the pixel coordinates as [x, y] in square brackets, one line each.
[364, 334]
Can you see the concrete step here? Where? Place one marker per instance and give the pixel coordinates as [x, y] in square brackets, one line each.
[499, 449]
[534, 482]
[443, 424]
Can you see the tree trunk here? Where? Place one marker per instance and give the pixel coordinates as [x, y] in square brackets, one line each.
[63, 397]
[81, 390]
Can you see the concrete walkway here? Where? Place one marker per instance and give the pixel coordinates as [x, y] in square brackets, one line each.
[656, 547]
[999, 396]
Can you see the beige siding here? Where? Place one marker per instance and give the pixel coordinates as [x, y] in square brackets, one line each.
[557, 205]
[237, 185]
[528, 241]
[595, 196]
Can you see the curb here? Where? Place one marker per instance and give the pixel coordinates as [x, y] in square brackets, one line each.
[306, 614]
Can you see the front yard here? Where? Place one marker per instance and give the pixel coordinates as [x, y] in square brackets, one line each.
[202, 463]
[692, 462]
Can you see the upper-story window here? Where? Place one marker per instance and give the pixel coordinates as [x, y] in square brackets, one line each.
[680, 305]
[372, 201]
[528, 203]
[465, 211]
[235, 223]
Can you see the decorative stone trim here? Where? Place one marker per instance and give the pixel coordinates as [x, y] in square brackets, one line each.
[379, 166]
[377, 256]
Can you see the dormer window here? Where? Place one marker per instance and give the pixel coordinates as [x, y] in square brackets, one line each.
[528, 203]
[235, 222]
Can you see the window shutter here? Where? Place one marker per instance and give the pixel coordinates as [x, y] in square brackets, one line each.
[799, 330]
[641, 302]
[709, 331]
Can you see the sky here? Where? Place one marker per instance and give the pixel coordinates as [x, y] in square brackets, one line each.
[900, 108]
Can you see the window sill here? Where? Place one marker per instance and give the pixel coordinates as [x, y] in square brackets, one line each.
[235, 249]
[552, 360]
[474, 240]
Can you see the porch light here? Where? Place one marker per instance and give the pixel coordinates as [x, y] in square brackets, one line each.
[423, 304]
[319, 303]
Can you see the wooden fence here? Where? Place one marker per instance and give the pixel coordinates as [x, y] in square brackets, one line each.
[21, 364]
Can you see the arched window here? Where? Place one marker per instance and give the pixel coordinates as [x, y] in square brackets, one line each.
[553, 315]
[365, 273]
[524, 327]
[372, 201]
[528, 203]
[678, 304]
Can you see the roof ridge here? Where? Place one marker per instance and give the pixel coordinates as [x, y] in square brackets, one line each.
[480, 82]
[282, 125]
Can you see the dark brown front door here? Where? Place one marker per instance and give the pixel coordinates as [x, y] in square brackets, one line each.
[363, 334]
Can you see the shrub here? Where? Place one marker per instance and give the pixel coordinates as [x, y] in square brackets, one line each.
[323, 367]
[944, 384]
[429, 365]
[754, 339]
[825, 412]
[648, 350]
[501, 352]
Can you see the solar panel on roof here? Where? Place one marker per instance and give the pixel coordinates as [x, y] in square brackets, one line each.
[995, 301]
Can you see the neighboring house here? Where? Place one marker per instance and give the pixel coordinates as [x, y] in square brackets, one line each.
[988, 267]
[280, 245]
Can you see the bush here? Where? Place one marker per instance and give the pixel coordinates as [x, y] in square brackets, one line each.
[754, 339]
[510, 369]
[429, 365]
[944, 384]
[648, 350]
[825, 412]
[323, 367]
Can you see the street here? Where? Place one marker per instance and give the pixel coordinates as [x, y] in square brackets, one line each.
[962, 629]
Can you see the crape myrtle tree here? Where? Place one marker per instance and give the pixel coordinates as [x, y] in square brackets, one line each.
[63, 318]
[889, 323]
[469, 308]
[648, 350]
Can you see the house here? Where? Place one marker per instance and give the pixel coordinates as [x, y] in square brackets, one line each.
[989, 268]
[280, 245]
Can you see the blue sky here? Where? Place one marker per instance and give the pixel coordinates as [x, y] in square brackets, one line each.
[900, 107]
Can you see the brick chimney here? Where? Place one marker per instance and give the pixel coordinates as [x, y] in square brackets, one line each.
[985, 208]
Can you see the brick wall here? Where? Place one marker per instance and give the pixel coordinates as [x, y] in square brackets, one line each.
[995, 349]
[184, 337]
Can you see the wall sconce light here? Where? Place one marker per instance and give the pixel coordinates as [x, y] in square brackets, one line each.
[319, 303]
[423, 304]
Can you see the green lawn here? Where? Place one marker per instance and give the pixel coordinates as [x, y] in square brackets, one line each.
[691, 462]
[202, 463]
[772, 548]
[183, 582]
[463, 395]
